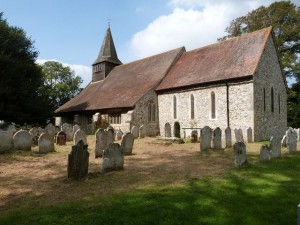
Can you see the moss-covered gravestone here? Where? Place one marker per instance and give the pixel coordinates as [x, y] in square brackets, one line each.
[78, 161]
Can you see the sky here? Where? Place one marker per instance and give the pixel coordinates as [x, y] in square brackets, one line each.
[72, 31]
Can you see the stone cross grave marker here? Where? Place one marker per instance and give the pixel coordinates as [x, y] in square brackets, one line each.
[78, 161]
[113, 158]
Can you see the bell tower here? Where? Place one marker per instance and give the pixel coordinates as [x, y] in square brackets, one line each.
[107, 58]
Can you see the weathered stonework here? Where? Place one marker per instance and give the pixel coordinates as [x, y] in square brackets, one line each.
[268, 123]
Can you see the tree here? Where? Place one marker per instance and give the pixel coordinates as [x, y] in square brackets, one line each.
[59, 83]
[20, 78]
[284, 17]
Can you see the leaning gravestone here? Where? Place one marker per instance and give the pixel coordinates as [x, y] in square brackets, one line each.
[135, 132]
[50, 129]
[6, 141]
[249, 135]
[110, 136]
[113, 158]
[265, 154]
[68, 129]
[143, 131]
[101, 142]
[22, 140]
[127, 143]
[240, 156]
[61, 138]
[80, 135]
[275, 147]
[119, 135]
[78, 161]
[228, 138]
[217, 138]
[291, 140]
[205, 136]
[46, 143]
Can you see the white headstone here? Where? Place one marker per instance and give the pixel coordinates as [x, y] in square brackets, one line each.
[22, 140]
[113, 158]
[46, 143]
[80, 135]
[291, 140]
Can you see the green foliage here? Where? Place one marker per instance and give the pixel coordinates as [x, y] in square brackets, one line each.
[264, 193]
[177, 129]
[284, 16]
[20, 78]
[100, 123]
[59, 83]
[293, 105]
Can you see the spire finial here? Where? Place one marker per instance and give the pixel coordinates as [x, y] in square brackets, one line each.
[108, 22]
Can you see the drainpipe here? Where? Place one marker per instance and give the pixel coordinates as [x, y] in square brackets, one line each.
[227, 100]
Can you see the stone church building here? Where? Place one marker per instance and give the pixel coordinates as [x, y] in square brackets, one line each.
[236, 83]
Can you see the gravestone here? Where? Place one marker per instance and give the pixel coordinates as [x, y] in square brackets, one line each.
[194, 136]
[35, 135]
[61, 138]
[57, 129]
[167, 130]
[275, 147]
[113, 158]
[205, 136]
[119, 135]
[11, 129]
[78, 161]
[265, 154]
[240, 156]
[135, 132]
[283, 141]
[76, 128]
[143, 131]
[127, 143]
[238, 135]
[68, 129]
[217, 138]
[80, 135]
[50, 129]
[101, 142]
[6, 141]
[22, 140]
[249, 135]
[291, 140]
[228, 138]
[46, 143]
[110, 136]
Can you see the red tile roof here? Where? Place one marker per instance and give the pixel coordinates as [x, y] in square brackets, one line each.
[125, 84]
[230, 59]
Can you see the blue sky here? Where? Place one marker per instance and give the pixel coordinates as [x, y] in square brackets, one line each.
[72, 31]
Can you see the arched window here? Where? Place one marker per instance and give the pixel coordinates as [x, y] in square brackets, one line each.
[279, 103]
[264, 100]
[151, 111]
[213, 105]
[272, 99]
[174, 107]
[192, 107]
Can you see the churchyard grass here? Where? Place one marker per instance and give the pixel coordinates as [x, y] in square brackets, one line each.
[193, 188]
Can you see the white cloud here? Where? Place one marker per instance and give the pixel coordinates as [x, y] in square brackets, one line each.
[192, 23]
[85, 72]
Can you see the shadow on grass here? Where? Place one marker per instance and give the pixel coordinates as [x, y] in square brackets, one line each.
[255, 194]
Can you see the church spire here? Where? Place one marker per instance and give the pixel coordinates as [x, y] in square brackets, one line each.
[107, 58]
[108, 51]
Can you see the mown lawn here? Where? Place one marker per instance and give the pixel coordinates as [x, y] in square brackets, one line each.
[259, 193]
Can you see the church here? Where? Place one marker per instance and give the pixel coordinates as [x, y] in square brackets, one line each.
[236, 83]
